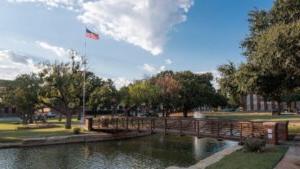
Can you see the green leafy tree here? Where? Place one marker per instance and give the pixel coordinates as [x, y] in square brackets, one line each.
[228, 84]
[61, 88]
[272, 51]
[196, 90]
[143, 94]
[23, 95]
[104, 96]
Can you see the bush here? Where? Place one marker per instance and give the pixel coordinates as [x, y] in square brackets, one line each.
[76, 130]
[254, 145]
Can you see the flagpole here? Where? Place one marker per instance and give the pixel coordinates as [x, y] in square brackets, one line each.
[84, 78]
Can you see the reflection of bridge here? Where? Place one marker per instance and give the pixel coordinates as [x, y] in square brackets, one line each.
[226, 129]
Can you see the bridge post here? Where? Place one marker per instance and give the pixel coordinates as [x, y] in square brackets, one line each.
[165, 130]
[218, 129]
[117, 120]
[211, 127]
[198, 129]
[252, 129]
[231, 128]
[241, 133]
[126, 123]
[180, 125]
[151, 126]
[138, 128]
[142, 123]
[88, 125]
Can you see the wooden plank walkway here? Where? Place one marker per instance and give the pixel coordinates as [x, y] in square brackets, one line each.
[221, 129]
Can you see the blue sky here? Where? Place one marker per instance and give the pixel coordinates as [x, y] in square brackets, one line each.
[152, 35]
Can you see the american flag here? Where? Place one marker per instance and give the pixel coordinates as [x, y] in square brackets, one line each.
[91, 35]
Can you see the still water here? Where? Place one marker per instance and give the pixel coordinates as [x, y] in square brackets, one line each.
[151, 152]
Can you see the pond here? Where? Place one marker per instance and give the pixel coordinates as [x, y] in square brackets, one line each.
[151, 152]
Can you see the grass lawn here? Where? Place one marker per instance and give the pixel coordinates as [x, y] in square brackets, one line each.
[245, 160]
[9, 132]
[57, 131]
[8, 126]
[55, 120]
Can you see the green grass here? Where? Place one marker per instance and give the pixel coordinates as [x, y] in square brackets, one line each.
[57, 131]
[294, 128]
[55, 120]
[246, 160]
[8, 126]
[9, 132]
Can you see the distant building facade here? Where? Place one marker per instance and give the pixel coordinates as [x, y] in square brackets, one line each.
[8, 112]
[254, 102]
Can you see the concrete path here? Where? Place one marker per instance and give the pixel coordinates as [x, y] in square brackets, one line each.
[202, 164]
[291, 160]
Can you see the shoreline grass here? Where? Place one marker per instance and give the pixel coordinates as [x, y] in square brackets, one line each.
[250, 160]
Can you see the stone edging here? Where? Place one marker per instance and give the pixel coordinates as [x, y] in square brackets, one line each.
[202, 164]
[83, 138]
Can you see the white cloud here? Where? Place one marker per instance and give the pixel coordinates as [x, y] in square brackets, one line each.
[12, 64]
[152, 69]
[61, 53]
[168, 61]
[58, 51]
[144, 23]
[68, 4]
[121, 82]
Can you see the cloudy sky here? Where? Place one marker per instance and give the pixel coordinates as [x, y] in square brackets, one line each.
[137, 37]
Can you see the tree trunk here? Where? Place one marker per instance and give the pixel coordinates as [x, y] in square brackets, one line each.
[60, 117]
[185, 113]
[24, 119]
[79, 115]
[30, 116]
[68, 124]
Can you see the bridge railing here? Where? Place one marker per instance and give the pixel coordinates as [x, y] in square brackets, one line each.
[229, 129]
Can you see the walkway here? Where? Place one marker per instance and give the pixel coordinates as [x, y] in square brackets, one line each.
[202, 164]
[291, 160]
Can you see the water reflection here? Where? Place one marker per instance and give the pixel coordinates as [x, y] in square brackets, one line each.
[153, 152]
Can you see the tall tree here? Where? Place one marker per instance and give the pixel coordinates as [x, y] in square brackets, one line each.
[61, 87]
[23, 95]
[228, 84]
[196, 90]
[143, 94]
[103, 96]
[169, 89]
[272, 51]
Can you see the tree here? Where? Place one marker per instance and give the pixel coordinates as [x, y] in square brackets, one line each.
[103, 96]
[143, 94]
[168, 90]
[272, 51]
[228, 84]
[196, 90]
[23, 95]
[61, 88]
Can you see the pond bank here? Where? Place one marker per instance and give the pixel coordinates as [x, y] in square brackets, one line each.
[202, 164]
[81, 138]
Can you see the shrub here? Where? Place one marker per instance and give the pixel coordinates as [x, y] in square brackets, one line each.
[76, 130]
[254, 145]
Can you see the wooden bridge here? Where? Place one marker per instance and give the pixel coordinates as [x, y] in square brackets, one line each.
[221, 129]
